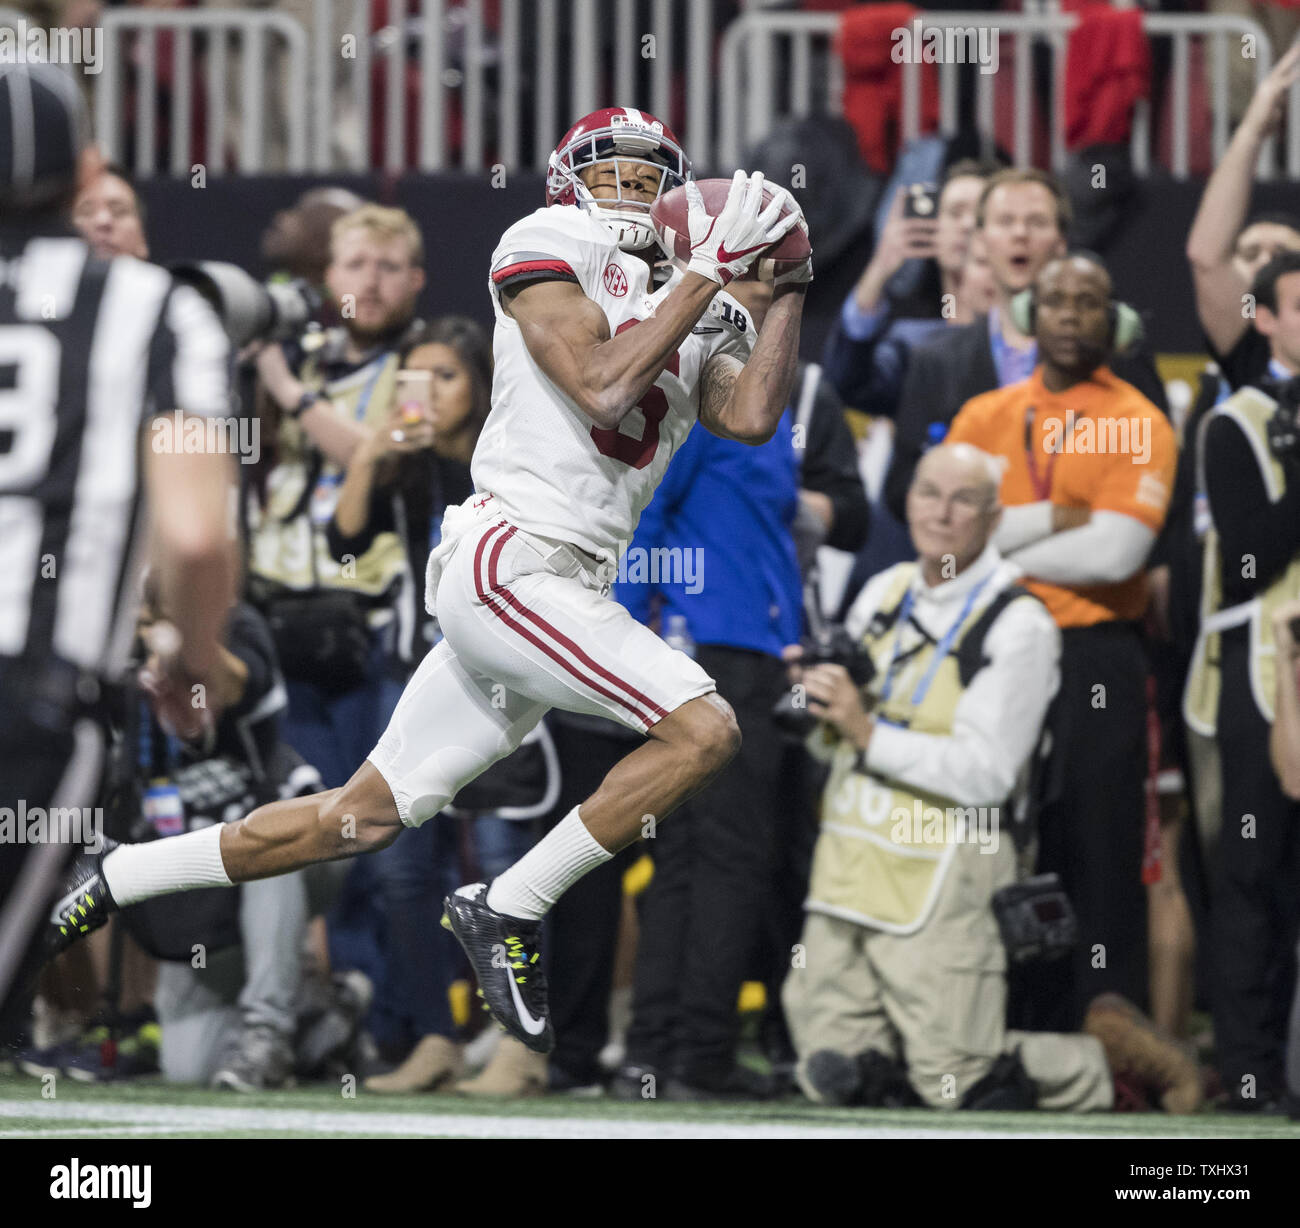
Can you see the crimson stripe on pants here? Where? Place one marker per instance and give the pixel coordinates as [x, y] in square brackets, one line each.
[496, 599]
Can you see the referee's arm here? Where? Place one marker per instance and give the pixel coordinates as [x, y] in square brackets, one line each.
[191, 494]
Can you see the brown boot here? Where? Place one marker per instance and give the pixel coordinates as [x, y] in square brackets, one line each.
[514, 1071]
[1136, 1049]
[433, 1062]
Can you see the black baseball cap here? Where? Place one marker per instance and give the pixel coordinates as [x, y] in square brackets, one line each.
[43, 128]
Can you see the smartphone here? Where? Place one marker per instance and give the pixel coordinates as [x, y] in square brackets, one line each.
[921, 200]
[413, 396]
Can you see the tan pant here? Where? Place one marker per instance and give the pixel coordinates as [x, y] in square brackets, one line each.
[935, 999]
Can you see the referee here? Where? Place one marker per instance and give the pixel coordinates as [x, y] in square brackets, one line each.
[90, 350]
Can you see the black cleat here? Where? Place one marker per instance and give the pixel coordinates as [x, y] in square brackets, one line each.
[503, 952]
[84, 903]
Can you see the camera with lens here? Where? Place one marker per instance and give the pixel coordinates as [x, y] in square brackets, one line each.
[829, 644]
[250, 310]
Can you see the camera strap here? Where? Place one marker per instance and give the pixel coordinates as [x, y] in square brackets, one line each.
[942, 648]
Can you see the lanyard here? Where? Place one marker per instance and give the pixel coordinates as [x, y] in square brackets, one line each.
[364, 403]
[941, 650]
[1042, 484]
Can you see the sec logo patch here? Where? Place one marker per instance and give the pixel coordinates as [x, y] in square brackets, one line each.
[615, 280]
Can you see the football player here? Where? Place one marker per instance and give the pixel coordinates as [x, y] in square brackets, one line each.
[605, 357]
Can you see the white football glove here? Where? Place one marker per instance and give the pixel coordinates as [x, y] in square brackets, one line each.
[723, 247]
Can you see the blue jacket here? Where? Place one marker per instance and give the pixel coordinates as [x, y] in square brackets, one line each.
[716, 543]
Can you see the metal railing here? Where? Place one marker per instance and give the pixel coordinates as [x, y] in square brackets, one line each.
[483, 98]
[756, 43]
[252, 30]
[543, 68]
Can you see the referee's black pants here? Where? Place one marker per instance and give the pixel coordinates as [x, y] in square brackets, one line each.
[1254, 874]
[37, 769]
[703, 916]
[1091, 828]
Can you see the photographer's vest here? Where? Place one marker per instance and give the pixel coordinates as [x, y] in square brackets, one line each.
[1250, 409]
[885, 847]
[287, 540]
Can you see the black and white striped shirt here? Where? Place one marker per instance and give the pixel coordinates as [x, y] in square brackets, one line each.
[90, 350]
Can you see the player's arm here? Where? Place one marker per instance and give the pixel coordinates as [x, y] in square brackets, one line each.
[1222, 211]
[568, 336]
[745, 401]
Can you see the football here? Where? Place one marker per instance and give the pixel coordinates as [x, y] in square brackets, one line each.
[669, 214]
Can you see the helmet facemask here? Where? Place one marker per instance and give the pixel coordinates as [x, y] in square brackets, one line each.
[627, 219]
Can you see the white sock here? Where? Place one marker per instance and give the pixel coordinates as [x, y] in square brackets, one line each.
[136, 872]
[547, 870]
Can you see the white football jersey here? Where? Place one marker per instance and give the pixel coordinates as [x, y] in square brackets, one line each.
[551, 469]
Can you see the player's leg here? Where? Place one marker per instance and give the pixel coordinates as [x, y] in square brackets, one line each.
[448, 727]
[501, 936]
[531, 614]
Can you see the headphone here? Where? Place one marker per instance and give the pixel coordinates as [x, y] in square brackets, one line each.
[1126, 328]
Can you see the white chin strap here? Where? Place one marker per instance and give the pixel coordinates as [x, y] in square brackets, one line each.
[632, 231]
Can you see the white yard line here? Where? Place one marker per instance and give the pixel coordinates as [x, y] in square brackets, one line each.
[176, 1118]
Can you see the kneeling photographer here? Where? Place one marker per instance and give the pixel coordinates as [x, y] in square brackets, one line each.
[897, 993]
[229, 981]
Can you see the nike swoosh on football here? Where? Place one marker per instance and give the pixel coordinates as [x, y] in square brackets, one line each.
[726, 257]
[532, 1026]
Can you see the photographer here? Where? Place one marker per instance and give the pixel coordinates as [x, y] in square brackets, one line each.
[1250, 463]
[341, 628]
[898, 990]
[228, 1019]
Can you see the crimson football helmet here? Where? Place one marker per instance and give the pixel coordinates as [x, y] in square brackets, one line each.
[628, 135]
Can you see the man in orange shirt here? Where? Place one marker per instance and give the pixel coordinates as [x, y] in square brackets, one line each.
[1089, 466]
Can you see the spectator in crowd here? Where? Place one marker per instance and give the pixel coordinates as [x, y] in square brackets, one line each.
[888, 542]
[866, 353]
[1251, 468]
[401, 479]
[110, 215]
[1225, 255]
[1023, 217]
[297, 243]
[340, 628]
[1280, 20]
[729, 510]
[898, 989]
[1089, 463]
[229, 1018]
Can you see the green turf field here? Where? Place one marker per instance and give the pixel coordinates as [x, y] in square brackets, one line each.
[152, 1110]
